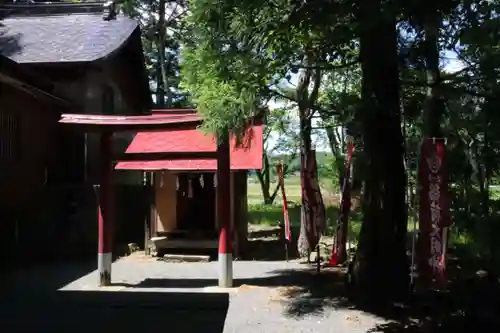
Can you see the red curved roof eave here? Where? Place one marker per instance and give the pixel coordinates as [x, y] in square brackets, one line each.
[155, 121]
[244, 155]
[174, 131]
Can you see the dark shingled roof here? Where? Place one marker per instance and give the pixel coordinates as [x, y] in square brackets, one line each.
[61, 32]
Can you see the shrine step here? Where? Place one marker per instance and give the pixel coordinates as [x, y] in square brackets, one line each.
[186, 258]
[165, 243]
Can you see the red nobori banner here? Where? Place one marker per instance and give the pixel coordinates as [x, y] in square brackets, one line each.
[281, 177]
[434, 214]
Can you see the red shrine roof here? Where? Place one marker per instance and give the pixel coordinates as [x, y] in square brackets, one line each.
[246, 156]
[174, 131]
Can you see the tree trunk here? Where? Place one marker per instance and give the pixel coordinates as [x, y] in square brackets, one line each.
[265, 182]
[303, 243]
[488, 161]
[434, 106]
[305, 100]
[264, 179]
[488, 167]
[336, 148]
[163, 76]
[380, 268]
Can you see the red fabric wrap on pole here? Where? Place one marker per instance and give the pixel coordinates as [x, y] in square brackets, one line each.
[313, 208]
[286, 219]
[434, 214]
[339, 253]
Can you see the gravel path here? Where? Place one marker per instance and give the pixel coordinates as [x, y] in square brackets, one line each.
[253, 312]
[269, 297]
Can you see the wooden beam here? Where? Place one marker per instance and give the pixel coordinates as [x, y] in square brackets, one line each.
[149, 193]
[18, 72]
[121, 123]
[33, 90]
[173, 111]
[153, 209]
[167, 156]
[159, 127]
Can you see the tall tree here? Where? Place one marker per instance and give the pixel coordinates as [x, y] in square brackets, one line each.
[162, 34]
[380, 267]
[242, 51]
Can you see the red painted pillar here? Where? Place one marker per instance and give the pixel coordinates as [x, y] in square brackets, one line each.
[223, 192]
[105, 210]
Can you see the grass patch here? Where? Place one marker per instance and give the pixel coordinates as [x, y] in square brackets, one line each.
[272, 215]
[462, 240]
[292, 186]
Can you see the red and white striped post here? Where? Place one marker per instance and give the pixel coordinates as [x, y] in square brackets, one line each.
[223, 192]
[105, 210]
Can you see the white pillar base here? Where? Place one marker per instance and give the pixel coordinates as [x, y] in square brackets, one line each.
[225, 270]
[104, 261]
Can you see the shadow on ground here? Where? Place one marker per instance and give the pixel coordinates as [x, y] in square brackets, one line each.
[113, 311]
[469, 305]
[35, 275]
[44, 276]
[472, 304]
[31, 302]
[281, 278]
[301, 291]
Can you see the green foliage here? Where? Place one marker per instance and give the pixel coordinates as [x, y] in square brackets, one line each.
[225, 78]
[237, 56]
[222, 103]
[247, 52]
[327, 170]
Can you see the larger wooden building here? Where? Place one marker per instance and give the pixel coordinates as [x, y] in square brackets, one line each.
[29, 111]
[92, 56]
[87, 58]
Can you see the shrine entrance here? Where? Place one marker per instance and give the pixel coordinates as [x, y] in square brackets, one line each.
[196, 204]
[106, 126]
